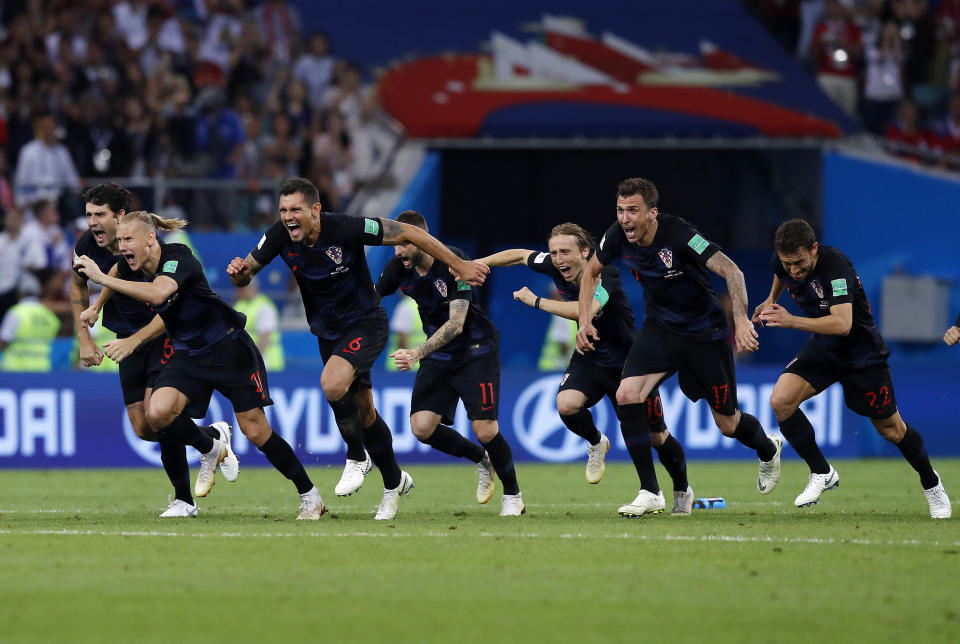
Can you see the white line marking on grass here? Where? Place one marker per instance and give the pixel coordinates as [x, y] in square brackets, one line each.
[488, 535]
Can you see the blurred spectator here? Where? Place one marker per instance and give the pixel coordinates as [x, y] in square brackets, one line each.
[406, 329]
[263, 324]
[219, 42]
[905, 137]
[6, 190]
[918, 36]
[948, 133]
[46, 227]
[280, 29]
[27, 333]
[836, 46]
[18, 256]
[315, 68]
[44, 167]
[883, 81]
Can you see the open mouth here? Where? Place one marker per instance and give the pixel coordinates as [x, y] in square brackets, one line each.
[565, 271]
[294, 229]
[630, 231]
[406, 261]
[99, 236]
[131, 259]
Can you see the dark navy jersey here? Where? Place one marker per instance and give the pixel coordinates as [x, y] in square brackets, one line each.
[433, 293]
[121, 314]
[673, 273]
[333, 275]
[614, 322]
[834, 281]
[196, 318]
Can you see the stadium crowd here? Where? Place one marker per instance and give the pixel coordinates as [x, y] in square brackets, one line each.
[893, 64]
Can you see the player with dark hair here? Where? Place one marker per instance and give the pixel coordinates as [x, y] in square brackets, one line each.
[845, 347]
[140, 348]
[592, 375]
[685, 330]
[211, 351]
[325, 252]
[459, 360]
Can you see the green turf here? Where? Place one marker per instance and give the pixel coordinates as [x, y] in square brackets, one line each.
[83, 559]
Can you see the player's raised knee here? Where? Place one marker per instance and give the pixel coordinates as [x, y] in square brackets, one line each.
[568, 405]
[783, 404]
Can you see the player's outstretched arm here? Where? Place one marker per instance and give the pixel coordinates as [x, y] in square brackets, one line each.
[568, 310]
[241, 271]
[588, 286]
[510, 257]
[775, 290]
[406, 358]
[395, 232]
[155, 292]
[120, 348]
[744, 332]
[838, 322]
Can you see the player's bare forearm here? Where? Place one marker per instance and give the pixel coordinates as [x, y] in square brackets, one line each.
[736, 286]
[568, 310]
[832, 324]
[588, 285]
[450, 329]
[510, 257]
[154, 293]
[395, 232]
[154, 329]
[775, 289]
[79, 301]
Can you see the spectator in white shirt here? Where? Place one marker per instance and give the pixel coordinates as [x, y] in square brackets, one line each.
[315, 68]
[44, 167]
[19, 255]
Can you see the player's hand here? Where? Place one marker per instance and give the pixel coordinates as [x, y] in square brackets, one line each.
[525, 296]
[89, 317]
[746, 335]
[760, 309]
[90, 355]
[952, 336]
[584, 336]
[776, 315]
[120, 348]
[404, 358]
[89, 268]
[473, 273]
[239, 271]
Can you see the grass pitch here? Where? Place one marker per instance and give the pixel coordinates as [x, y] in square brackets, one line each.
[83, 558]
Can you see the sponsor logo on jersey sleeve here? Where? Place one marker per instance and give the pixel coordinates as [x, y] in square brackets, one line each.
[262, 241]
[839, 287]
[371, 226]
[170, 267]
[539, 258]
[698, 244]
[461, 286]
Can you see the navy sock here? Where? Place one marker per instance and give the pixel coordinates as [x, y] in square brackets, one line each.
[379, 442]
[502, 459]
[173, 455]
[636, 434]
[581, 424]
[911, 446]
[282, 457]
[673, 459]
[448, 441]
[184, 430]
[799, 433]
[750, 432]
[210, 431]
[348, 422]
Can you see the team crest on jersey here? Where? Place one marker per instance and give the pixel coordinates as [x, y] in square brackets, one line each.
[666, 255]
[442, 287]
[817, 288]
[335, 253]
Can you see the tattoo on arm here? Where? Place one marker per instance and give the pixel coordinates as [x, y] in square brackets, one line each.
[450, 329]
[254, 265]
[736, 286]
[392, 232]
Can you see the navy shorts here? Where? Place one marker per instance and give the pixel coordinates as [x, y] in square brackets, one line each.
[360, 345]
[595, 382]
[233, 366]
[139, 370]
[704, 368]
[867, 392]
[475, 381]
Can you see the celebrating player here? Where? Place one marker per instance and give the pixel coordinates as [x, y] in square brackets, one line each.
[325, 251]
[140, 344]
[685, 330]
[459, 360]
[845, 347]
[595, 374]
[211, 351]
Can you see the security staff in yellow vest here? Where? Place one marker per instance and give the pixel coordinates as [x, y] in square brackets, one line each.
[406, 330]
[26, 335]
[263, 324]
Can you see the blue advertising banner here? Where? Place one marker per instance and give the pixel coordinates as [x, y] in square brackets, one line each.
[78, 420]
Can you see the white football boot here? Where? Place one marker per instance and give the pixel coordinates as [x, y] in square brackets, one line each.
[353, 475]
[391, 498]
[817, 484]
[597, 460]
